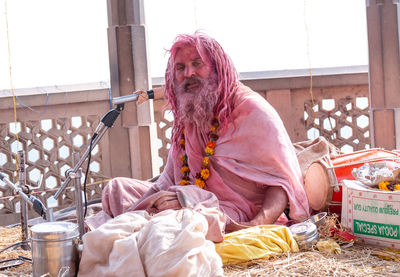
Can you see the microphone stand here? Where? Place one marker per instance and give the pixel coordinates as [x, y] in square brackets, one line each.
[78, 197]
[106, 122]
[23, 203]
[75, 173]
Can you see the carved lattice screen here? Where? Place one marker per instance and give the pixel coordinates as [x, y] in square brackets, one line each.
[48, 145]
[342, 121]
[340, 114]
[164, 119]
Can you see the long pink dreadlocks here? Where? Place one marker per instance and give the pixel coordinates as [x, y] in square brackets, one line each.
[228, 80]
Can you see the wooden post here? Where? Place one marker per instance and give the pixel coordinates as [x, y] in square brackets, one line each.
[384, 71]
[135, 140]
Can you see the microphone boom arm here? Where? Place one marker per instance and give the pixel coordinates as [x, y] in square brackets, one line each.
[106, 122]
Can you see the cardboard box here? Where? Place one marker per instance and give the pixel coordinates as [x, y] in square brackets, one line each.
[372, 214]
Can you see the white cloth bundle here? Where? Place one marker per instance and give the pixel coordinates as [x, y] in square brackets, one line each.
[170, 243]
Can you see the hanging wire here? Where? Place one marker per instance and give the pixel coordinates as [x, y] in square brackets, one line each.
[106, 85]
[87, 174]
[32, 109]
[12, 86]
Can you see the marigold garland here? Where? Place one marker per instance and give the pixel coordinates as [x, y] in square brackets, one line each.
[185, 169]
[386, 185]
[204, 174]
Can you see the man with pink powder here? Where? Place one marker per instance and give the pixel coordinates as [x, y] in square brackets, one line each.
[227, 141]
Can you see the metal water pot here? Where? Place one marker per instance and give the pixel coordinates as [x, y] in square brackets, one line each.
[305, 233]
[55, 249]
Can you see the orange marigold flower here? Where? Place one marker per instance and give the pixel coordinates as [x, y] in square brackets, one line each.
[182, 158]
[182, 141]
[206, 161]
[185, 169]
[211, 144]
[396, 187]
[209, 151]
[383, 185]
[214, 129]
[205, 173]
[200, 183]
[183, 182]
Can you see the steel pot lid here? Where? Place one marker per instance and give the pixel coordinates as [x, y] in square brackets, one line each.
[303, 229]
[55, 230]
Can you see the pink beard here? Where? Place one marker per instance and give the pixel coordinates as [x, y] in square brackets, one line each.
[196, 105]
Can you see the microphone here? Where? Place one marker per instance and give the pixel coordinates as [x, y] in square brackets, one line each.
[131, 97]
[37, 205]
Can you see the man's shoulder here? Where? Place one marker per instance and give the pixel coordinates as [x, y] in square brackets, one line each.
[253, 106]
[246, 96]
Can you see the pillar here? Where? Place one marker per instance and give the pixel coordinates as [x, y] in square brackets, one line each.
[384, 72]
[135, 140]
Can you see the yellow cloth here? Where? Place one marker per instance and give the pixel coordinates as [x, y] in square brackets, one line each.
[257, 242]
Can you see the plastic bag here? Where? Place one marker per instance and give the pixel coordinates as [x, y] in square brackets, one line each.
[371, 174]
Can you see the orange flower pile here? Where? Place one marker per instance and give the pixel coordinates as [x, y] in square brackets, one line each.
[386, 185]
[204, 174]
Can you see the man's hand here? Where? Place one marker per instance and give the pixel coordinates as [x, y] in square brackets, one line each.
[143, 97]
[236, 226]
[232, 227]
[165, 202]
[275, 202]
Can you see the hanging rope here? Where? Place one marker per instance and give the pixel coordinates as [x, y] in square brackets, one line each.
[12, 86]
[309, 62]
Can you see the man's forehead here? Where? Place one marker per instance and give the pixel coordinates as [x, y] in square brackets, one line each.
[187, 53]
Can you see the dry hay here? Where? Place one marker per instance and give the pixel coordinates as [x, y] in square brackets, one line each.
[7, 238]
[355, 260]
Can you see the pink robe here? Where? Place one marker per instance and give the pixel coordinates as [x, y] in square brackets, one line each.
[254, 153]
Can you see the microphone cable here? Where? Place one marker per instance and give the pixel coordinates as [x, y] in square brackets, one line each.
[86, 174]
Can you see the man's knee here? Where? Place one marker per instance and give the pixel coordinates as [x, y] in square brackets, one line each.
[112, 187]
[115, 185]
